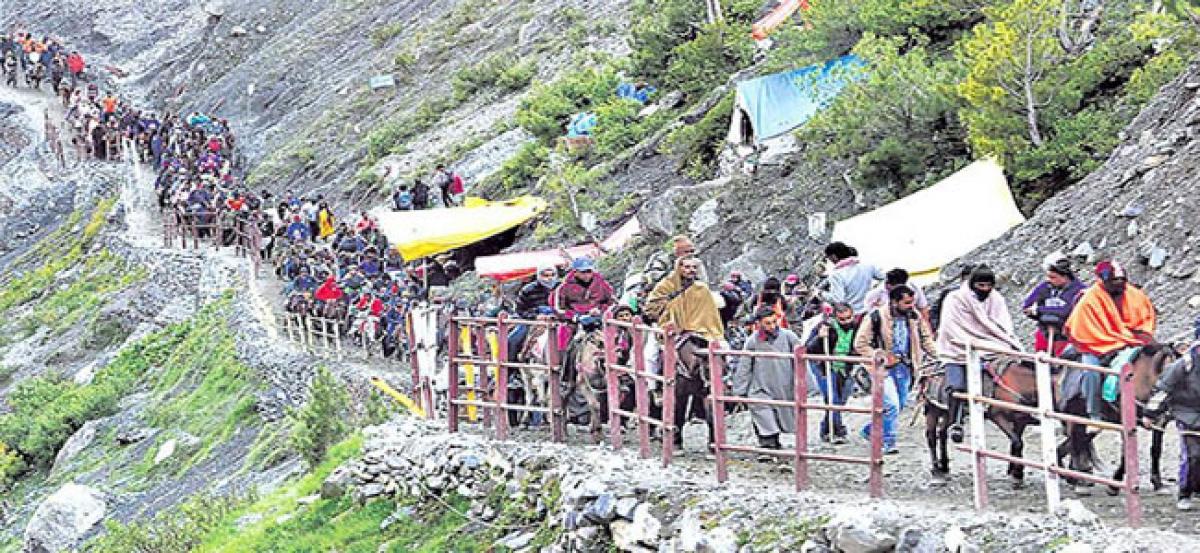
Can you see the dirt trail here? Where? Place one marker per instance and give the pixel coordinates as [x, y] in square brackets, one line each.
[906, 475]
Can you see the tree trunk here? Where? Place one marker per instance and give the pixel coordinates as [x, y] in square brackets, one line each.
[1035, 134]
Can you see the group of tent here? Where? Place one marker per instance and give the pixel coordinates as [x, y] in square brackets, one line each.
[921, 232]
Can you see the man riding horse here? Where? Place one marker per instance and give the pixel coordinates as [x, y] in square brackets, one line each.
[581, 298]
[686, 303]
[977, 313]
[1110, 318]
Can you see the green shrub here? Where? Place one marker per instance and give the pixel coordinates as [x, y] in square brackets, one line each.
[12, 465]
[381, 35]
[524, 167]
[547, 110]
[320, 423]
[501, 71]
[699, 145]
[179, 529]
[707, 61]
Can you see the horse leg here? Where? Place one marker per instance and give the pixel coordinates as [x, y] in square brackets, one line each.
[1156, 447]
[1016, 444]
[593, 405]
[944, 440]
[935, 437]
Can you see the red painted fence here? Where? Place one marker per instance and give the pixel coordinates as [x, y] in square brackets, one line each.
[1046, 414]
[800, 455]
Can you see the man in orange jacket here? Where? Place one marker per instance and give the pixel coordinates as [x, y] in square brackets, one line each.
[1111, 316]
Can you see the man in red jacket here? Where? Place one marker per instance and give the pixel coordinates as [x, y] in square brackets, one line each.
[581, 298]
[75, 66]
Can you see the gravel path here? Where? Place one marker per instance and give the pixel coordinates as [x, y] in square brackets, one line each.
[906, 475]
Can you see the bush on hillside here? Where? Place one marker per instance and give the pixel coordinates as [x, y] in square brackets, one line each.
[898, 121]
[321, 422]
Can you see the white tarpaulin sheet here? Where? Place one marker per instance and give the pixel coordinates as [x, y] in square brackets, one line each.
[931, 228]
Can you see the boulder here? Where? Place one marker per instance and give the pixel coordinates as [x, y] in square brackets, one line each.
[336, 484]
[704, 218]
[78, 442]
[63, 518]
[165, 451]
[643, 530]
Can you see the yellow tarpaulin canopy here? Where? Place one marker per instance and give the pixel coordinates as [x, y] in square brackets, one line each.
[426, 232]
[928, 229]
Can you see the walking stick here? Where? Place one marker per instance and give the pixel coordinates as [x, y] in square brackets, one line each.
[829, 401]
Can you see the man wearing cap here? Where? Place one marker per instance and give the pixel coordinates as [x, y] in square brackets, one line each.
[795, 294]
[974, 313]
[661, 264]
[1110, 317]
[768, 377]
[1051, 303]
[532, 300]
[581, 298]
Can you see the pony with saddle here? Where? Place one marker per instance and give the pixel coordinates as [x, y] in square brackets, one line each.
[1014, 380]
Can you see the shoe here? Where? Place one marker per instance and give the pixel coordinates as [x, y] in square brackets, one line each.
[839, 439]
[956, 433]
[1184, 504]
[890, 450]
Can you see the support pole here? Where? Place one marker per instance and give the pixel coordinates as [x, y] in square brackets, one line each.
[1045, 392]
[718, 413]
[1133, 499]
[978, 440]
[669, 428]
[800, 395]
[612, 379]
[452, 377]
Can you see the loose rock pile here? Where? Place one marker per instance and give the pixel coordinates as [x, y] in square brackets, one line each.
[584, 499]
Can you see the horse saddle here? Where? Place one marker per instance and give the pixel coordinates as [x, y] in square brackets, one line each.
[698, 358]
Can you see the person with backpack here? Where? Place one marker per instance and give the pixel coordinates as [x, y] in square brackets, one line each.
[834, 336]
[420, 195]
[443, 179]
[897, 330]
[402, 199]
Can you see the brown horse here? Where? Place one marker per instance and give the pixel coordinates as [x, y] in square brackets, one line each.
[1015, 381]
[691, 382]
[1148, 366]
[589, 379]
[1005, 379]
[534, 383]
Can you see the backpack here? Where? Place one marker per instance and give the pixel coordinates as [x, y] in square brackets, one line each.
[456, 184]
[404, 199]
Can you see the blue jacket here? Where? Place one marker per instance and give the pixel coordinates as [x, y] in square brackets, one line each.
[851, 281]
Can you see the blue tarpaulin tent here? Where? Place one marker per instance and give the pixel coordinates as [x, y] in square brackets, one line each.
[770, 106]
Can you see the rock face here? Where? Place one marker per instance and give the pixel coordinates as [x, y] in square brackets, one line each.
[595, 499]
[1139, 208]
[63, 518]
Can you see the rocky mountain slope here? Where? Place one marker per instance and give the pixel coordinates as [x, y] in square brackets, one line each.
[208, 413]
[1140, 208]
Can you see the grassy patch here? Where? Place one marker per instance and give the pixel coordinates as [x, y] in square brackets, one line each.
[59, 250]
[45, 411]
[203, 389]
[80, 301]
